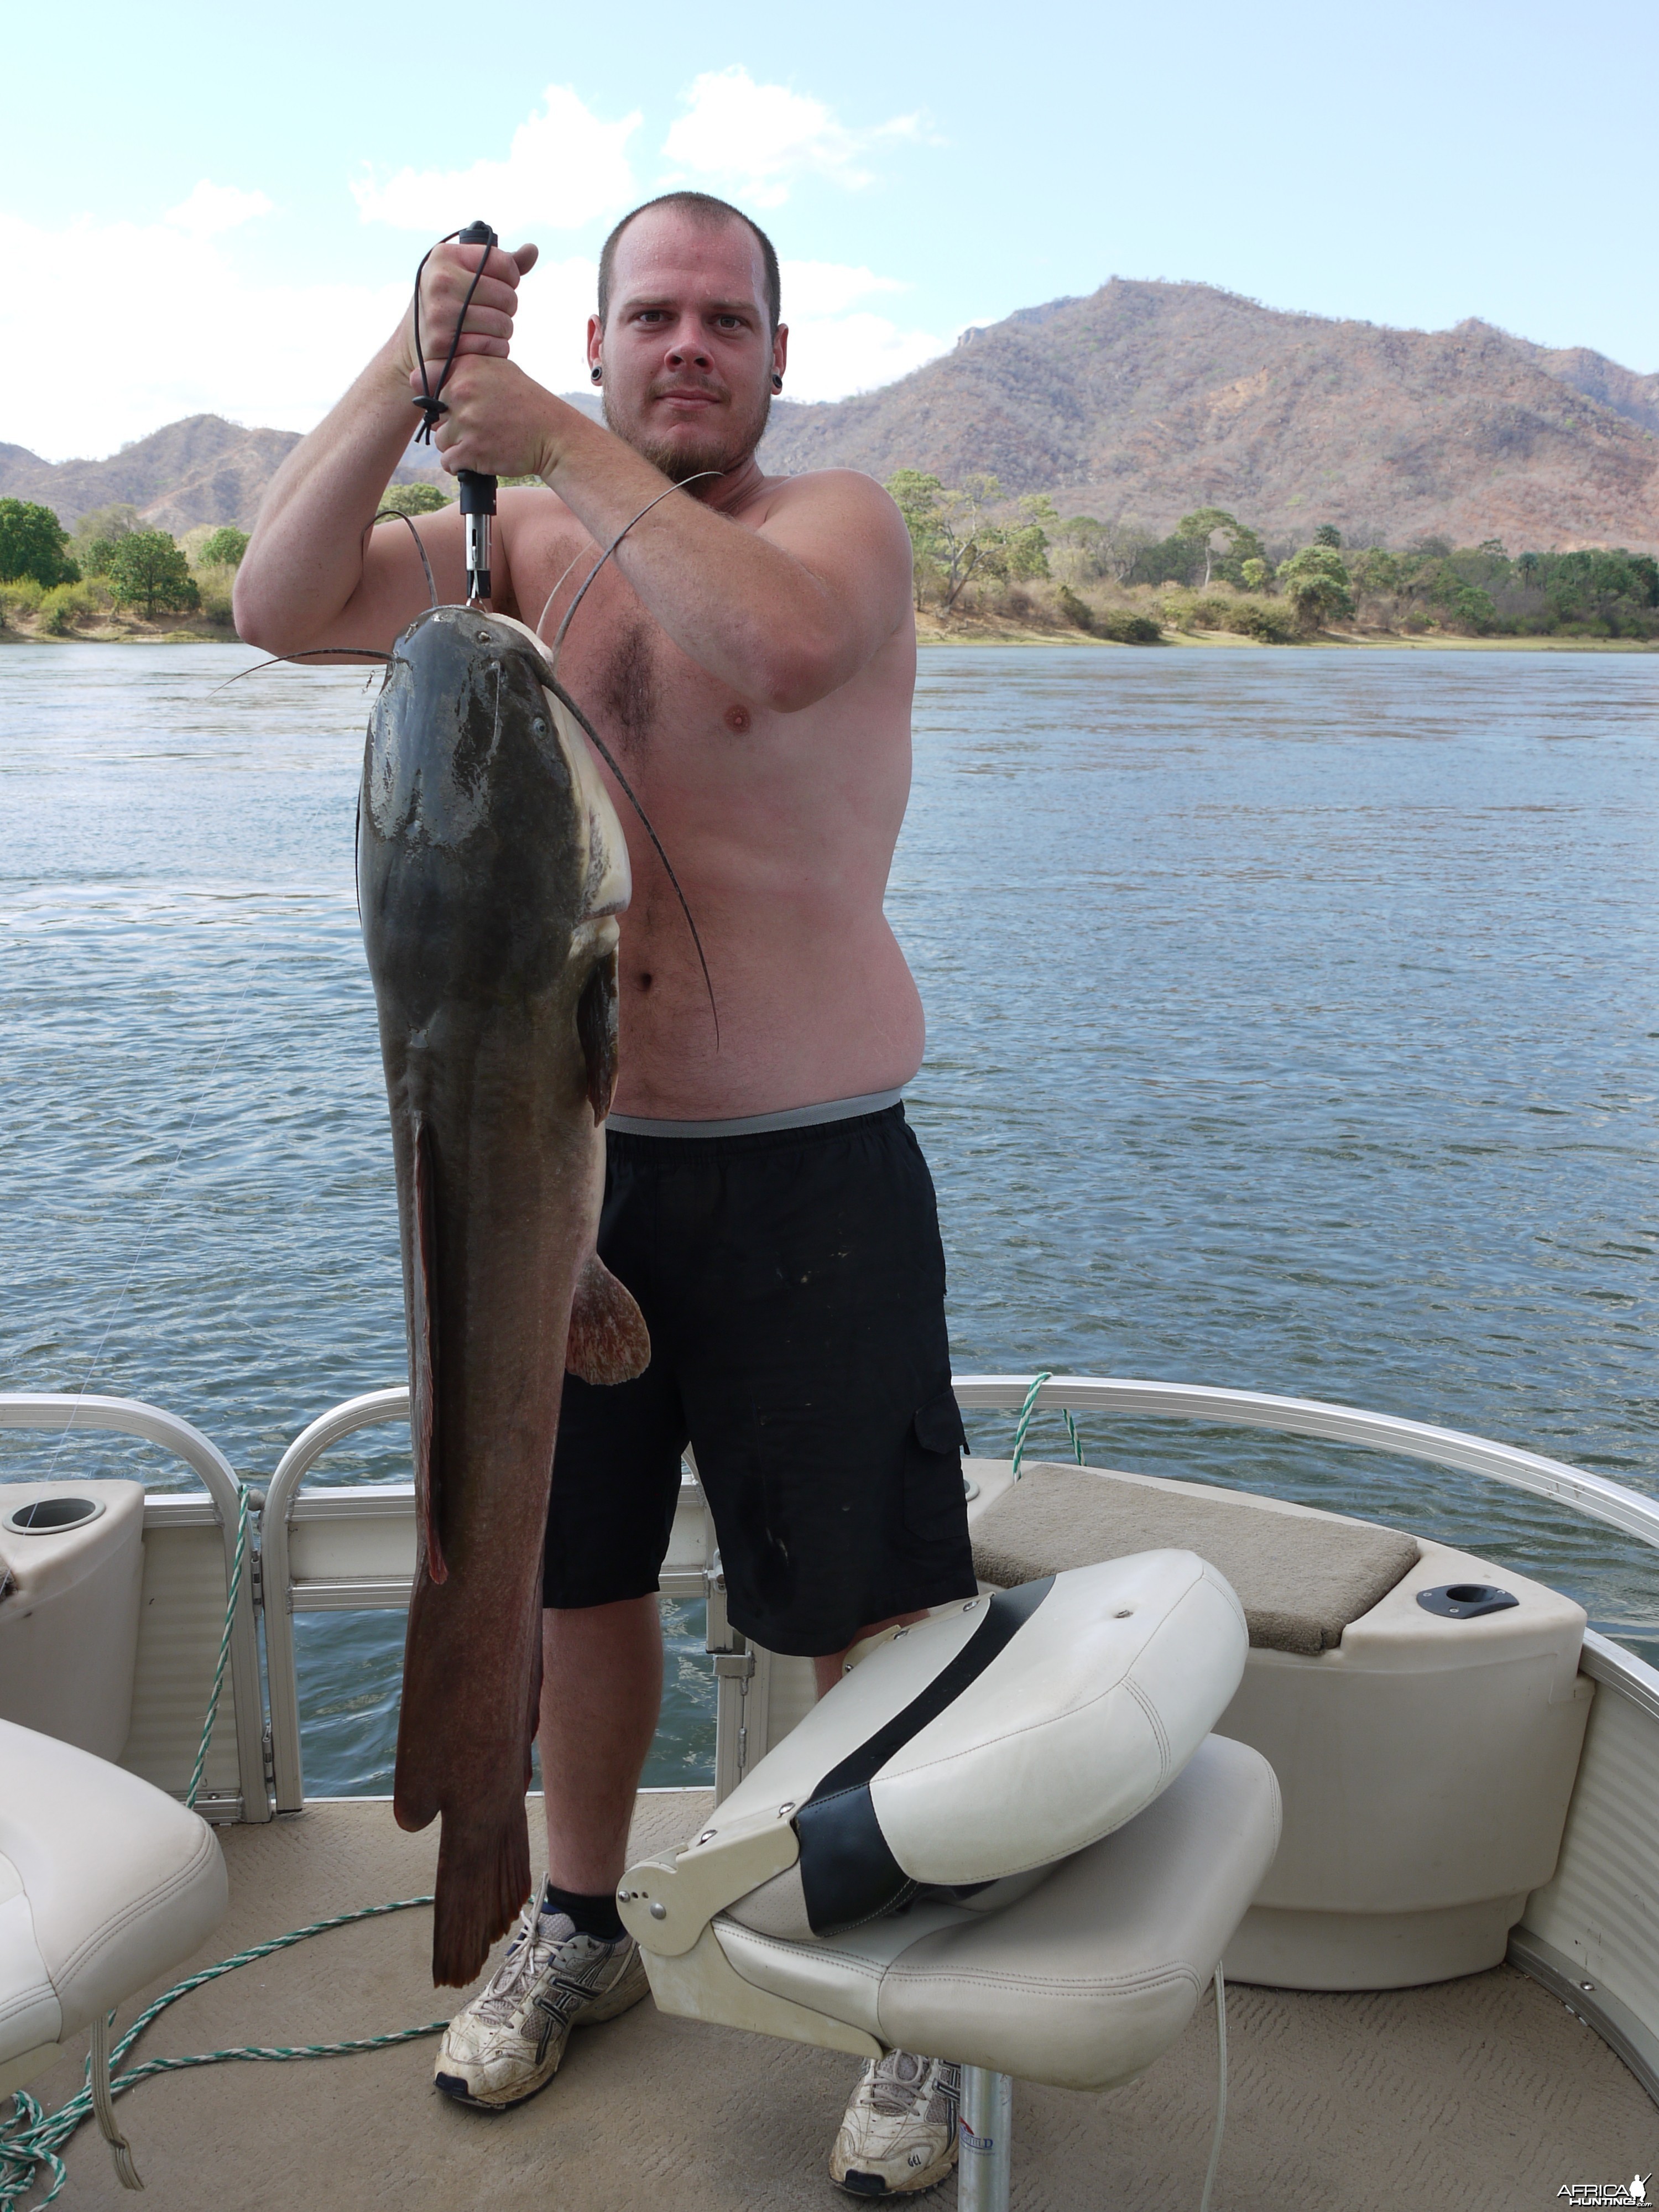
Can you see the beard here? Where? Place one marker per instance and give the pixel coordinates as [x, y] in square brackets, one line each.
[720, 451]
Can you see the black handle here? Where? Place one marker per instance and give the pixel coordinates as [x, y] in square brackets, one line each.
[478, 500]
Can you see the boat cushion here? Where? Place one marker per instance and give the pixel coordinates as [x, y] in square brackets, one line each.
[1082, 1983]
[995, 1737]
[104, 1883]
[1301, 1576]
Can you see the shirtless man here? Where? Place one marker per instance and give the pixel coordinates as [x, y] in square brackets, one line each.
[749, 655]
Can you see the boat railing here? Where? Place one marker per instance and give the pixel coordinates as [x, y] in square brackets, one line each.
[179, 1644]
[350, 1547]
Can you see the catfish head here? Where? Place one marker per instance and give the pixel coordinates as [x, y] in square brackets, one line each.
[491, 864]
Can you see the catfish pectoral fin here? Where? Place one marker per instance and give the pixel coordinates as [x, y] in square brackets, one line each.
[484, 1877]
[608, 1340]
[424, 1358]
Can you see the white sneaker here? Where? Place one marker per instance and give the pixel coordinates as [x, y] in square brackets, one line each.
[508, 2043]
[899, 2132]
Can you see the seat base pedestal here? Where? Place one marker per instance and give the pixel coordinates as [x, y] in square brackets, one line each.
[987, 2112]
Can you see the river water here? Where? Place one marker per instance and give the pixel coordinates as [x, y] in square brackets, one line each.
[1293, 1024]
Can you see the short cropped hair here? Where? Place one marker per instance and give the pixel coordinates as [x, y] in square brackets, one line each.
[704, 208]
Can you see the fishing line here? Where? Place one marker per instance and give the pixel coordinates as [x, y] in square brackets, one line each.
[606, 555]
[397, 515]
[310, 653]
[430, 402]
[605, 755]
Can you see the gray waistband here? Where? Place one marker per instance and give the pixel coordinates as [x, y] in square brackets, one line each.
[756, 1125]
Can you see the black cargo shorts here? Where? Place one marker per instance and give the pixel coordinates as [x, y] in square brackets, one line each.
[793, 1283]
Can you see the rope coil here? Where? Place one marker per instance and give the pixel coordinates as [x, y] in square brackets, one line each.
[1024, 1422]
[30, 2140]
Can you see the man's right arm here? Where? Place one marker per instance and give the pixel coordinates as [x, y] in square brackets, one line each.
[314, 573]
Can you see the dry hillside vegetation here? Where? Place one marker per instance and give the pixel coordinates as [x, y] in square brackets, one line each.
[1149, 400]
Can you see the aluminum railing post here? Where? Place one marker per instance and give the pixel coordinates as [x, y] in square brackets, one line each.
[987, 2112]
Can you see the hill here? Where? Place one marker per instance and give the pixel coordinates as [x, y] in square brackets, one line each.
[1144, 400]
[1150, 399]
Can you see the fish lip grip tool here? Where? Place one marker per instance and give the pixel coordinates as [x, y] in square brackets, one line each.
[477, 491]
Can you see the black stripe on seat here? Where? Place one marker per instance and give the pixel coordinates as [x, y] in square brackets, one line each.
[847, 1871]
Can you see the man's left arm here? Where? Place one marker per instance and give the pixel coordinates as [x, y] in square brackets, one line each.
[785, 613]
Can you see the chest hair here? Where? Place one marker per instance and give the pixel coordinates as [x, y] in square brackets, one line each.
[631, 687]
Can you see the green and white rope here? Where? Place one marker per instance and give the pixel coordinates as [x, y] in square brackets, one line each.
[29, 2140]
[1024, 1422]
[224, 1643]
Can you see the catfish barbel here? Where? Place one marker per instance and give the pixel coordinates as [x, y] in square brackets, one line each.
[491, 868]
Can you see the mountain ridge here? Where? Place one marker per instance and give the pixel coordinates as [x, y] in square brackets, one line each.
[1140, 401]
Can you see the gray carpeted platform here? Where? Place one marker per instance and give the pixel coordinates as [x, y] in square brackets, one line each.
[1301, 1576]
[1486, 2094]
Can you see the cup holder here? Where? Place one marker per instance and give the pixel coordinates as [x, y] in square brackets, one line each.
[51, 1516]
[1466, 1600]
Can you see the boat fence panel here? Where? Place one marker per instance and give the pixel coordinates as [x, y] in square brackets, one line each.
[1592, 1933]
[190, 1547]
[181, 1617]
[350, 1548]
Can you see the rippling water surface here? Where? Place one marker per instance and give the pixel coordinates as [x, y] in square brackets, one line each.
[1293, 1025]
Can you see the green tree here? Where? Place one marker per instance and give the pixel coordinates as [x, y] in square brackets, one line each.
[953, 536]
[1204, 525]
[225, 549]
[1018, 551]
[148, 570]
[1317, 586]
[33, 542]
[417, 498]
[919, 499]
[97, 531]
[1328, 534]
[1253, 574]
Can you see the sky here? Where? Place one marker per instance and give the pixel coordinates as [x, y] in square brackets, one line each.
[220, 209]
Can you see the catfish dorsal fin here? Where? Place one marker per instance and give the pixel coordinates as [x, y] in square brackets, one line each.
[608, 1340]
[424, 1355]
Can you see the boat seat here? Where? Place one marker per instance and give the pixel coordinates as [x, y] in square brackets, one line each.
[1302, 1577]
[105, 1883]
[1006, 1837]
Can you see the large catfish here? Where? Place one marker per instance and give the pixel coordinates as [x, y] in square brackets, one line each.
[491, 868]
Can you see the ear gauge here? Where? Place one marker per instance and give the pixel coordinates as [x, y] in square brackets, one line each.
[596, 373]
[777, 381]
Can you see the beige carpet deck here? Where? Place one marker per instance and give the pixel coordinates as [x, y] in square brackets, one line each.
[1482, 2094]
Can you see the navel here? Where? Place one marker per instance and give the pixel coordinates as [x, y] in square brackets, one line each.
[737, 720]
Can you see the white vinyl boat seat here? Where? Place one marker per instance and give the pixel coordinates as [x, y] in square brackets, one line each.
[1302, 1577]
[1006, 1837]
[104, 1883]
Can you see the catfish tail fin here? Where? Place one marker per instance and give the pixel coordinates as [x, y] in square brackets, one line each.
[484, 1877]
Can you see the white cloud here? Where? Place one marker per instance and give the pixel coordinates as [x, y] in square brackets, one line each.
[212, 209]
[756, 138]
[836, 347]
[829, 287]
[564, 168]
[160, 323]
[833, 355]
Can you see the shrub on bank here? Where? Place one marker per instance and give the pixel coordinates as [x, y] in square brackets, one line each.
[65, 606]
[1123, 627]
[215, 583]
[20, 598]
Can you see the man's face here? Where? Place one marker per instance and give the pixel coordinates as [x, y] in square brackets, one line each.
[688, 350]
